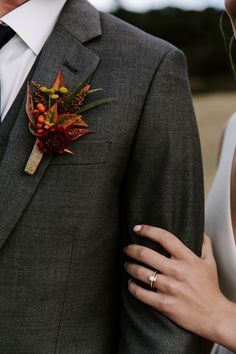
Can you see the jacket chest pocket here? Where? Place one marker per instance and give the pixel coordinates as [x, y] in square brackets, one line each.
[85, 153]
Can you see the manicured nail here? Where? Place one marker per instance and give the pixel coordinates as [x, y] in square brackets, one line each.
[137, 228]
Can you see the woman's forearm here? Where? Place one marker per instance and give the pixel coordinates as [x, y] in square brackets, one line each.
[224, 332]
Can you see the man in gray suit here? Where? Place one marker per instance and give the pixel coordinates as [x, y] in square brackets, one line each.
[62, 230]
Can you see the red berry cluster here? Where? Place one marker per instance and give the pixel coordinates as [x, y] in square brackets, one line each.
[39, 114]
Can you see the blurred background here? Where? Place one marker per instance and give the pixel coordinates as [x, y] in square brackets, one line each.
[202, 30]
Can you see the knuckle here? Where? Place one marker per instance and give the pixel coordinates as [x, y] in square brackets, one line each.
[159, 300]
[191, 257]
[164, 305]
[178, 273]
[168, 307]
[194, 262]
[143, 254]
[138, 272]
[158, 303]
[162, 235]
[171, 288]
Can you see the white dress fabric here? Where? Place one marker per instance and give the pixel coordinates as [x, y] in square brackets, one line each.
[219, 222]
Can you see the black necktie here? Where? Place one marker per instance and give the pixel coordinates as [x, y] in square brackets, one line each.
[6, 33]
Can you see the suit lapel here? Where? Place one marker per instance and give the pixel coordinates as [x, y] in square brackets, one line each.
[63, 51]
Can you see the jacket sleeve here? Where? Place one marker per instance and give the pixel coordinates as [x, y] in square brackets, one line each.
[164, 188]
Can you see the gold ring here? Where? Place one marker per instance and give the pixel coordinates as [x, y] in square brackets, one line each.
[153, 279]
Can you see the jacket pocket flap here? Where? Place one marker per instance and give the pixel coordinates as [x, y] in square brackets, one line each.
[85, 153]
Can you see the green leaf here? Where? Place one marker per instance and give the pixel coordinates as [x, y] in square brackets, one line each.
[80, 88]
[95, 104]
[95, 90]
[59, 81]
[71, 119]
[52, 114]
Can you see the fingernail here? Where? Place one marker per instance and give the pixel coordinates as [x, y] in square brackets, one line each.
[137, 228]
[130, 281]
[125, 265]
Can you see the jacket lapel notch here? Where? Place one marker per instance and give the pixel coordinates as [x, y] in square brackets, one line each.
[81, 20]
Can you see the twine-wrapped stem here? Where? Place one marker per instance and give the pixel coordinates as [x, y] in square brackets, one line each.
[34, 160]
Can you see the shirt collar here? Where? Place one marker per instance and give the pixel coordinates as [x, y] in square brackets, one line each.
[34, 21]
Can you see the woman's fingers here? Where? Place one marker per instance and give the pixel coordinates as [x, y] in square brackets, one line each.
[149, 257]
[139, 272]
[163, 283]
[167, 240]
[148, 297]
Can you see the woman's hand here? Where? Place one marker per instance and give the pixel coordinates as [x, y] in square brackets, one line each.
[186, 287]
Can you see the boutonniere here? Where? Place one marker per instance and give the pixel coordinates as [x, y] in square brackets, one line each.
[55, 117]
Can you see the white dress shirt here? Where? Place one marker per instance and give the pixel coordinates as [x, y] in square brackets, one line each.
[33, 22]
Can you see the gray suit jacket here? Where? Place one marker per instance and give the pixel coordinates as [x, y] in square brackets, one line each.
[62, 231]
